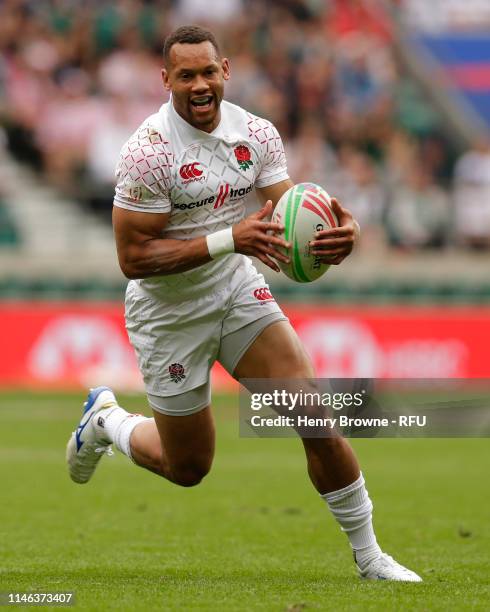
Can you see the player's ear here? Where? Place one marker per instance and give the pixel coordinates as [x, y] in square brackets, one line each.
[225, 66]
[165, 80]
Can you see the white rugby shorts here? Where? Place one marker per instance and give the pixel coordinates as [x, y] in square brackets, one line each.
[176, 343]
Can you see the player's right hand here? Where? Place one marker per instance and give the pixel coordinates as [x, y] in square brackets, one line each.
[255, 236]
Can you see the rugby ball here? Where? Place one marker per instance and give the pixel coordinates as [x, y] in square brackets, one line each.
[303, 210]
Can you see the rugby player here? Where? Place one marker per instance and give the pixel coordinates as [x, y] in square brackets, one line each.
[182, 238]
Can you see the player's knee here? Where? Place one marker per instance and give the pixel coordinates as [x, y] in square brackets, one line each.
[187, 478]
[190, 475]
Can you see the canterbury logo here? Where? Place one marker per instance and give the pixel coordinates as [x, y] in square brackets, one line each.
[263, 294]
[190, 171]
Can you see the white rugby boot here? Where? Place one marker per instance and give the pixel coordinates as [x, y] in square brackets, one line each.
[85, 446]
[385, 567]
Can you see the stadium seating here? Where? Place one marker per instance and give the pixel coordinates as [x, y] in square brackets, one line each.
[9, 232]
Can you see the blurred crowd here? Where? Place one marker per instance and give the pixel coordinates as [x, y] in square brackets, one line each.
[443, 15]
[77, 77]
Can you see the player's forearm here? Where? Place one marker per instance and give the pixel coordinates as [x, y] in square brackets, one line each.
[158, 257]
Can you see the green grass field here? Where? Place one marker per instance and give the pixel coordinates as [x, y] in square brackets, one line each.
[253, 536]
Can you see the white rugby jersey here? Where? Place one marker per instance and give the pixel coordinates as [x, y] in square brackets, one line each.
[202, 179]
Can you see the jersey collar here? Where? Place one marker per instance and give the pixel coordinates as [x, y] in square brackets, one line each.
[188, 129]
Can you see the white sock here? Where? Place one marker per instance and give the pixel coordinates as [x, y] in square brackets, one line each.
[352, 509]
[115, 425]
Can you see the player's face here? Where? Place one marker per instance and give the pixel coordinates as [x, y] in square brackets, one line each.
[195, 75]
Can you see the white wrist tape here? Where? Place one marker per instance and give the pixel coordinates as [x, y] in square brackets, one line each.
[220, 243]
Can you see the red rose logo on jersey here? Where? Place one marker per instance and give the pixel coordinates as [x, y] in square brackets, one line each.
[190, 172]
[243, 156]
[263, 294]
[177, 372]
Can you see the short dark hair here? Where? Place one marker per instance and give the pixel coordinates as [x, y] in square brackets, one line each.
[189, 35]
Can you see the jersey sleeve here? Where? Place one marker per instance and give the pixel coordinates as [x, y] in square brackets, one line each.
[274, 167]
[143, 173]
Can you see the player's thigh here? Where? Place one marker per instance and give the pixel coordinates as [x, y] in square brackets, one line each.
[257, 339]
[276, 352]
[188, 441]
[175, 345]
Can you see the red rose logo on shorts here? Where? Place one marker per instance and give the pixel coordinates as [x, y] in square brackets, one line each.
[243, 156]
[177, 372]
[263, 294]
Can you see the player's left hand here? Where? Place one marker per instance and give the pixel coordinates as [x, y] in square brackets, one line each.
[333, 245]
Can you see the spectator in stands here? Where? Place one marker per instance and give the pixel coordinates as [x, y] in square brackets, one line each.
[196, 11]
[360, 185]
[117, 120]
[472, 197]
[309, 155]
[64, 127]
[418, 214]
